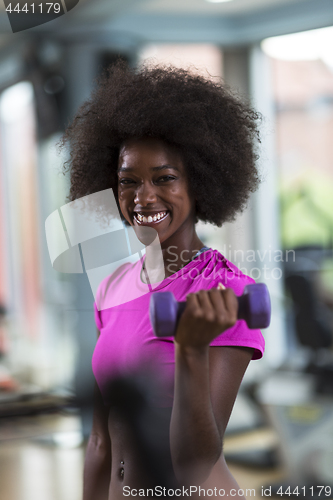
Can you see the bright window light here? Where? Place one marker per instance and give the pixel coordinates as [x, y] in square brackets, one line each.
[218, 1]
[304, 46]
[14, 100]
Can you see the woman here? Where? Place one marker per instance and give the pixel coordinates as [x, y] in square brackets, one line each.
[175, 148]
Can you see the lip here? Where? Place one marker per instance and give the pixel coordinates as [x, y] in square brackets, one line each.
[149, 212]
[153, 223]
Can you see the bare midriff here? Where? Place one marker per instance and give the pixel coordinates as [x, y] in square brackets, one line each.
[129, 470]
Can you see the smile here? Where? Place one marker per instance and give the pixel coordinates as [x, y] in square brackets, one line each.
[151, 219]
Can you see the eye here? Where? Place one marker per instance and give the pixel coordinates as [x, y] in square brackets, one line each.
[124, 181]
[166, 177]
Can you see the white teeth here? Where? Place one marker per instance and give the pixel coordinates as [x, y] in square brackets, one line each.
[154, 218]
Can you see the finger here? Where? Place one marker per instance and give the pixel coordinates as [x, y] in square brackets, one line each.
[206, 305]
[192, 303]
[217, 299]
[227, 310]
[231, 302]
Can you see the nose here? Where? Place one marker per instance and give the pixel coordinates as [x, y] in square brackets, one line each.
[145, 194]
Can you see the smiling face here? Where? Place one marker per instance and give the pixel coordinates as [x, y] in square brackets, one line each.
[153, 190]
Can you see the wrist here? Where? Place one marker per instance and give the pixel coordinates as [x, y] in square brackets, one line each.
[189, 351]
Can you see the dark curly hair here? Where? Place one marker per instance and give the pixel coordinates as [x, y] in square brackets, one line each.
[214, 131]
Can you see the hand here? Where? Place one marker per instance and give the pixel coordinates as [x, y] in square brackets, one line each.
[208, 313]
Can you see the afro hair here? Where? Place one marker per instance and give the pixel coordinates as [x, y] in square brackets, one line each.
[215, 132]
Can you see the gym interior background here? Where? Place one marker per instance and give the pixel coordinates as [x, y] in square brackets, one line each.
[276, 53]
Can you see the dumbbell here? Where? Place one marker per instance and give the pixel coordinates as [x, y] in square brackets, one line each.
[254, 306]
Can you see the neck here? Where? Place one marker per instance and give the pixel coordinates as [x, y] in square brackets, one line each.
[175, 255]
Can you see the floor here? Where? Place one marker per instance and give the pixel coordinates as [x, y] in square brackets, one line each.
[41, 458]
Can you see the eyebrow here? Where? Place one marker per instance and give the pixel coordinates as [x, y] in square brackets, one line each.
[154, 169]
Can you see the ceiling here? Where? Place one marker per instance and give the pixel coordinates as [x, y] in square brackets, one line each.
[129, 23]
[205, 7]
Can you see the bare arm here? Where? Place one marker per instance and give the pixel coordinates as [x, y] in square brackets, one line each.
[97, 465]
[207, 380]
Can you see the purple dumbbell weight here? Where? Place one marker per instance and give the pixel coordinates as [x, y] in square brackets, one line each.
[254, 306]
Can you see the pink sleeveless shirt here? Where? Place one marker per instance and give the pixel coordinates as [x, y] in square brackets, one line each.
[127, 342]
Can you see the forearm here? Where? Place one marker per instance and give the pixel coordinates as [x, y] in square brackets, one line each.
[97, 470]
[195, 440]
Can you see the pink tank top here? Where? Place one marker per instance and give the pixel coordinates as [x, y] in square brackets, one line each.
[127, 342]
